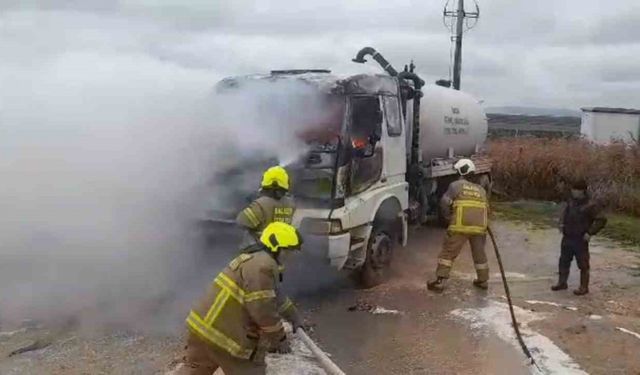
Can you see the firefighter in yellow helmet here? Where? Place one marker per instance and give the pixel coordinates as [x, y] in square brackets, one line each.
[465, 205]
[273, 205]
[240, 317]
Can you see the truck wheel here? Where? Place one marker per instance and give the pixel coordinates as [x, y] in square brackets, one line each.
[379, 253]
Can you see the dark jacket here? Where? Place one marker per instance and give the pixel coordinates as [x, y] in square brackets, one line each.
[579, 217]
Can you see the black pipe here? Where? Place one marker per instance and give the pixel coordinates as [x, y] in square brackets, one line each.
[417, 85]
[514, 322]
[417, 81]
[415, 129]
[376, 56]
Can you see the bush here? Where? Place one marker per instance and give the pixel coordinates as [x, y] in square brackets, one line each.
[541, 169]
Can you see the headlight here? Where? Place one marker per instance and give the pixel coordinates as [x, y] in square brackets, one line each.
[321, 226]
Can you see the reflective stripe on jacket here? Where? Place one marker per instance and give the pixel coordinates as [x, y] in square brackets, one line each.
[242, 306]
[265, 210]
[262, 212]
[470, 208]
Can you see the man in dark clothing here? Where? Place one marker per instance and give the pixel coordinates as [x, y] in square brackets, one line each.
[579, 221]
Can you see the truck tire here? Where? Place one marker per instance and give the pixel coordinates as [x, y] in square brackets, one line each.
[377, 265]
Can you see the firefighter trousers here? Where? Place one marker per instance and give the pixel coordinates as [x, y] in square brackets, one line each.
[203, 359]
[451, 248]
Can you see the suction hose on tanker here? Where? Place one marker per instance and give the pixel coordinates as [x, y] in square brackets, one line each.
[514, 322]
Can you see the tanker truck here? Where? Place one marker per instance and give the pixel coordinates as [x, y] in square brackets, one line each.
[378, 162]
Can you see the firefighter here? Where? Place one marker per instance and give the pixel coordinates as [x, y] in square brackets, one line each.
[239, 318]
[580, 220]
[273, 205]
[468, 222]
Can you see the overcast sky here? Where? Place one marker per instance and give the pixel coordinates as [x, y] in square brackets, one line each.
[568, 53]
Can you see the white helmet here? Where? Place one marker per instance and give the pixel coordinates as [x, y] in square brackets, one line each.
[464, 167]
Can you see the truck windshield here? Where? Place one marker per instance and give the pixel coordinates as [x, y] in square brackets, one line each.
[314, 172]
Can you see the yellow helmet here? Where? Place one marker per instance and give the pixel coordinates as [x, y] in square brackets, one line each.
[281, 236]
[275, 177]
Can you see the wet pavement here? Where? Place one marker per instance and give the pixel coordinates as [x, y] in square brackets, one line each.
[401, 328]
[423, 338]
[467, 331]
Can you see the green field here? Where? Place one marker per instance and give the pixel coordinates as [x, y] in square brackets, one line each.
[622, 228]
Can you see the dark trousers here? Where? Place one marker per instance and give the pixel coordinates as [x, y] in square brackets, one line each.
[574, 247]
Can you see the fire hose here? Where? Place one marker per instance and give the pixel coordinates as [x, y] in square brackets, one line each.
[326, 363]
[514, 322]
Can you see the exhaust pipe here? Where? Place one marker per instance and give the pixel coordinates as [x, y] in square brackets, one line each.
[376, 56]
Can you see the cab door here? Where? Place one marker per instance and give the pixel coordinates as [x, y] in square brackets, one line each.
[393, 138]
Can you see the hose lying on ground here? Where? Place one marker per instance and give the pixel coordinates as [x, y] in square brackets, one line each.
[514, 322]
[326, 363]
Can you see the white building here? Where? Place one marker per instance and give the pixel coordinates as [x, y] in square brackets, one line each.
[603, 125]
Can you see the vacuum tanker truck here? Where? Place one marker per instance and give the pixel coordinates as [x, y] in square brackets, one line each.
[379, 160]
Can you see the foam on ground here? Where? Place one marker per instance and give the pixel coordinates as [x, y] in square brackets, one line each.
[636, 335]
[495, 318]
[300, 361]
[534, 302]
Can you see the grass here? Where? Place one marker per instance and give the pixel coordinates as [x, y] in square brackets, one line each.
[620, 227]
[623, 228]
[543, 169]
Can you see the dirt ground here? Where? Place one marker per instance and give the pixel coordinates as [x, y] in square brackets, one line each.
[400, 328]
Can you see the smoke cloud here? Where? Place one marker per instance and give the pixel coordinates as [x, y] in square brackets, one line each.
[108, 155]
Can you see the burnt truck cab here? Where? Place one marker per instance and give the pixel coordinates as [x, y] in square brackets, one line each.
[349, 185]
[368, 191]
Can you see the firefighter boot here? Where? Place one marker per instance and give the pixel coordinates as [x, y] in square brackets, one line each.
[563, 276]
[436, 285]
[584, 283]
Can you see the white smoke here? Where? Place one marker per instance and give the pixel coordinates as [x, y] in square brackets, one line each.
[106, 153]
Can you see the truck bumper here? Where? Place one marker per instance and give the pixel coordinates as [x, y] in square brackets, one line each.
[333, 248]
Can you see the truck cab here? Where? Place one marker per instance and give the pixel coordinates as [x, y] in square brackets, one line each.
[349, 185]
[368, 198]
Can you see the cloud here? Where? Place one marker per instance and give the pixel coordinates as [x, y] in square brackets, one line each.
[509, 43]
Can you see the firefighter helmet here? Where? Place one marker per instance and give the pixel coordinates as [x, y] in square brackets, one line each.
[275, 177]
[281, 236]
[464, 167]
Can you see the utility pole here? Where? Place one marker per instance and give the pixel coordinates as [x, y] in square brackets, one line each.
[459, 14]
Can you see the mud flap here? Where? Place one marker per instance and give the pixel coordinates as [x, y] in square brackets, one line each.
[405, 229]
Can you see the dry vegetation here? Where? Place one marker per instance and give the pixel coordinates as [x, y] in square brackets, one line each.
[538, 168]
